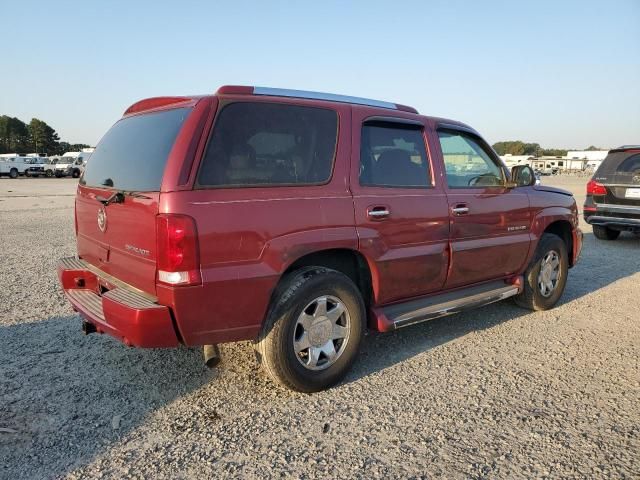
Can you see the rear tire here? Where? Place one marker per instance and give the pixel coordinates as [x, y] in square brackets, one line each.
[605, 233]
[313, 330]
[75, 174]
[546, 275]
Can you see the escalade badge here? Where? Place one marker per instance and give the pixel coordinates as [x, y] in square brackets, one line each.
[102, 219]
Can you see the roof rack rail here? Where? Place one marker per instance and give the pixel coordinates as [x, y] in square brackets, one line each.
[331, 97]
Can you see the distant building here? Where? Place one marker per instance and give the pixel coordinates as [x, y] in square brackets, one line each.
[591, 158]
[549, 164]
[588, 154]
[513, 160]
[574, 161]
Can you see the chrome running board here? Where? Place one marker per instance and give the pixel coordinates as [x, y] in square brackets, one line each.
[430, 308]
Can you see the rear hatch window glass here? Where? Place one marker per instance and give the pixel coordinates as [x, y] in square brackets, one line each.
[620, 165]
[270, 144]
[133, 153]
[620, 173]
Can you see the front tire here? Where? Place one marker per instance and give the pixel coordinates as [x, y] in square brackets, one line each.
[605, 233]
[49, 174]
[13, 173]
[546, 275]
[313, 330]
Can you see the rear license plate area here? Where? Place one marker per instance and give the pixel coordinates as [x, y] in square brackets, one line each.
[632, 193]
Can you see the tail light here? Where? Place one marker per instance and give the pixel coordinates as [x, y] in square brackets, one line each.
[75, 218]
[178, 257]
[595, 188]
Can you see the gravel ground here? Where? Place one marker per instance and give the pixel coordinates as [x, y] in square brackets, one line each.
[498, 392]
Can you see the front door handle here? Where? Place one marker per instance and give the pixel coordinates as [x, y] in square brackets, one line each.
[460, 210]
[378, 213]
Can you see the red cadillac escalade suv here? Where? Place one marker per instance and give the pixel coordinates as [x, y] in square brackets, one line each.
[298, 220]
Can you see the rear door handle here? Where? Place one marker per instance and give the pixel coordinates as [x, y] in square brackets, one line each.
[378, 213]
[460, 210]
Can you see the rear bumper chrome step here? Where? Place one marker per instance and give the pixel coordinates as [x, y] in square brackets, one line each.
[122, 312]
[430, 308]
[616, 208]
[609, 220]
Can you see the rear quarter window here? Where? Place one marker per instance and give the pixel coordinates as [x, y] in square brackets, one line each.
[269, 144]
[133, 154]
[630, 164]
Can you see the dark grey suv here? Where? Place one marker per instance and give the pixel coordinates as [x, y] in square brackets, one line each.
[613, 194]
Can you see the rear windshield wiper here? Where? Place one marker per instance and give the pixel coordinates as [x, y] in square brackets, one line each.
[116, 197]
[136, 194]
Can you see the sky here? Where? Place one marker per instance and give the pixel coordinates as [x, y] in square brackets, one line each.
[563, 74]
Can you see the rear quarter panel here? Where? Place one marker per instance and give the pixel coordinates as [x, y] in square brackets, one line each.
[247, 239]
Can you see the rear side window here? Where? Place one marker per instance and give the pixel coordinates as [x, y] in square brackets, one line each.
[270, 144]
[393, 155]
[133, 153]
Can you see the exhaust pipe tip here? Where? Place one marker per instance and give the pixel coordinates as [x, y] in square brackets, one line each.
[88, 328]
[211, 355]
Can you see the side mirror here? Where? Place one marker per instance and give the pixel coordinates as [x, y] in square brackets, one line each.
[523, 176]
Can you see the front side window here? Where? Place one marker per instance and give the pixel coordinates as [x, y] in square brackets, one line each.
[466, 162]
[270, 144]
[393, 155]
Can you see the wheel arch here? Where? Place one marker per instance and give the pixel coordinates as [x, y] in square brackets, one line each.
[562, 229]
[344, 260]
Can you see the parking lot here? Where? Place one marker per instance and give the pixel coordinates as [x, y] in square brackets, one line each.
[495, 392]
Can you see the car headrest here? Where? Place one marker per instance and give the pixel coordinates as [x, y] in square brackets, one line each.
[394, 167]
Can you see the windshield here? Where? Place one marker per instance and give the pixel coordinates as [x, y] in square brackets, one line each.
[133, 153]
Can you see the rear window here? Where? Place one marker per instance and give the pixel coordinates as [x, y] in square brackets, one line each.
[630, 165]
[393, 155]
[269, 144]
[133, 153]
[621, 164]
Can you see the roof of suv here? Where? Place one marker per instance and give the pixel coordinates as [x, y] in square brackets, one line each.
[158, 102]
[178, 101]
[329, 97]
[625, 148]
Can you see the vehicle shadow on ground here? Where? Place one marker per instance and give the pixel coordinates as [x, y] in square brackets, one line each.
[593, 272]
[600, 264]
[97, 391]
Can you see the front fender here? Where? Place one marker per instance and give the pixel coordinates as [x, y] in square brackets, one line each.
[547, 216]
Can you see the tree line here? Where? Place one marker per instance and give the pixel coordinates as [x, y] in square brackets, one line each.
[35, 136]
[517, 147]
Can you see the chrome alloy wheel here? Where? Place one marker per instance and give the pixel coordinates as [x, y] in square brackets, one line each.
[321, 333]
[549, 273]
